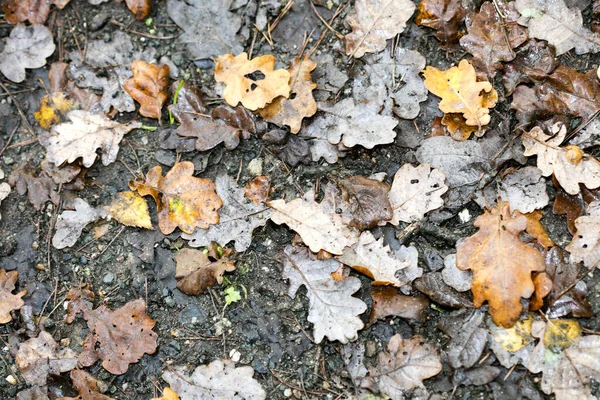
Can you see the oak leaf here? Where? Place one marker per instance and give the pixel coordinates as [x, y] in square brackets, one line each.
[387, 302]
[4, 189]
[258, 190]
[468, 338]
[168, 394]
[148, 87]
[25, 48]
[235, 72]
[8, 301]
[34, 11]
[40, 188]
[129, 208]
[367, 200]
[52, 107]
[300, 104]
[139, 8]
[182, 200]
[70, 224]
[585, 245]
[196, 270]
[433, 285]
[445, 16]
[89, 388]
[498, 278]
[375, 21]
[461, 92]
[535, 60]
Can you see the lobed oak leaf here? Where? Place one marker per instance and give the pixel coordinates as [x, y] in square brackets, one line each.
[34, 11]
[80, 299]
[468, 338]
[300, 103]
[52, 107]
[387, 302]
[148, 87]
[240, 87]
[8, 301]
[140, 8]
[585, 245]
[514, 338]
[129, 208]
[25, 48]
[445, 16]
[40, 188]
[197, 270]
[461, 92]
[182, 200]
[499, 279]
[375, 21]
[433, 285]
[89, 388]
[168, 394]
[535, 60]
[70, 224]
[367, 201]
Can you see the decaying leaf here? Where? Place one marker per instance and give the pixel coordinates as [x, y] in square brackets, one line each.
[534, 60]
[235, 72]
[52, 107]
[433, 285]
[498, 277]
[89, 388]
[258, 190]
[332, 309]
[455, 278]
[148, 87]
[182, 200]
[320, 227]
[34, 11]
[8, 301]
[139, 8]
[168, 394]
[570, 165]
[468, 337]
[514, 338]
[375, 21]
[562, 27]
[404, 366]
[41, 356]
[85, 134]
[129, 208]
[586, 240]
[461, 92]
[387, 302]
[70, 224]
[218, 380]
[4, 189]
[386, 267]
[445, 16]
[524, 189]
[300, 104]
[367, 200]
[238, 217]
[39, 189]
[197, 270]
[27, 47]
[118, 337]
[416, 191]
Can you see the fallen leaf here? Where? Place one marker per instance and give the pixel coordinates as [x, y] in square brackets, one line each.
[40, 189]
[82, 136]
[118, 337]
[468, 338]
[375, 21]
[562, 27]
[536, 229]
[573, 206]
[33, 393]
[80, 298]
[168, 394]
[4, 189]
[238, 218]
[524, 189]
[34, 11]
[258, 190]
[499, 279]
[404, 366]
[182, 200]
[300, 104]
[479, 375]
[89, 388]
[445, 16]
[416, 191]
[454, 124]
[129, 208]
[457, 279]
[353, 355]
[140, 8]
[534, 60]
[332, 309]
[148, 86]
[27, 47]
[70, 224]
[320, 227]
[8, 301]
[569, 164]
[514, 338]
[52, 108]
[586, 240]
[543, 285]
[240, 87]
[367, 200]
[387, 302]
[41, 356]
[386, 267]
[493, 33]
[218, 380]
[433, 285]
[461, 92]
[196, 271]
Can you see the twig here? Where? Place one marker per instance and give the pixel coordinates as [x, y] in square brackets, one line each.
[9, 139]
[337, 12]
[124, 27]
[292, 386]
[27, 125]
[24, 143]
[336, 33]
[111, 242]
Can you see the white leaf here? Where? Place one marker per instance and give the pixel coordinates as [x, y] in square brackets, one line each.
[456, 278]
[70, 224]
[585, 245]
[26, 47]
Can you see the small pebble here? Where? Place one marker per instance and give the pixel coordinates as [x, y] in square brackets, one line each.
[35, 245]
[109, 278]
[255, 167]
[40, 267]
[11, 379]
[235, 355]
[287, 392]
[65, 342]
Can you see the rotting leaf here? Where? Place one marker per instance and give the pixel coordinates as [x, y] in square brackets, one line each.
[27, 47]
[586, 240]
[445, 16]
[468, 338]
[387, 302]
[514, 338]
[182, 200]
[375, 21]
[367, 200]
[534, 60]
[70, 224]
[8, 301]
[89, 388]
[240, 87]
[129, 208]
[148, 87]
[258, 190]
[140, 8]
[34, 11]
[52, 107]
[39, 189]
[168, 394]
[433, 285]
[196, 270]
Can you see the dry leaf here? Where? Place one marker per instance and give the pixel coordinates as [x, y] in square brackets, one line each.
[148, 86]
[300, 104]
[8, 301]
[52, 107]
[39, 357]
[236, 71]
[461, 92]
[514, 338]
[70, 224]
[258, 190]
[196, 271]
[536, 229]
[457, 279]
[569, 164]
[543, 286]
[367, 200]
[445, 16]
[586, 240]
[387, 302]
[26, 47]
[500, 278]
[118, 337]
[168, 394]
[89, 388]
[141, 9]
[129, 208]
[416, 191]
[433, 285]
[39, 189]
[4, 189]
[182, 200]
[218, 380]
[375, 21]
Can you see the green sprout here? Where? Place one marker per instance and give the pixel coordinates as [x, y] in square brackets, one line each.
[149, 128]
[175, 97]
[148, 21]
[232, 295]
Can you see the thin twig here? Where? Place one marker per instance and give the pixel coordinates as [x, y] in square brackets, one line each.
[27, 125]
[113, 239]
[149, 36]
[9, 139]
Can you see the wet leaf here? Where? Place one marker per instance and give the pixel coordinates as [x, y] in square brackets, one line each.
[182, 200]
[52, 108]
[375, 21]
[89, 388]
[40, 188]
[543, 285]
[4, 189]
[148, 87]
[168, 394]
[499, 279]
[218, 380]
[586, 240]
[70, 224]
[445, 16]
[468, 339]
[8, 301]
[129, 208]
[514, 338]
[535, 60]
[368, 201]
[258, 190]
[197, 270]
[524, 189]
[332, 309]
[433, 285]
[573, 206]
[387, 302]
[140, 8]
[27, 47]
[240, 87]
[457, 279]
[34, 11]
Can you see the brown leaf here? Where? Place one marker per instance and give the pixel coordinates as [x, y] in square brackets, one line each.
[34, 11]
[387, 302]
[148, 87]
[168, 394]
[368, 202]
[455, 125]
[237, 117]
[254, 93]
[80, 299]
[182, 200]
[258, 190]
[445, 16]
[8, 301]
[586, 240]
[118, 337]
[534, 60]
[573, 206]
[197, 270]
[39, 189]
[140, 8]
[433, 285]
[536, 229]
[89, 388]
[493, 34]
[543, 285]
[499, 278]
[300, 104]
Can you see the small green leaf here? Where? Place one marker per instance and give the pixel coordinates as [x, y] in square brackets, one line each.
[232, 295]
[148, 21]
[149, 128]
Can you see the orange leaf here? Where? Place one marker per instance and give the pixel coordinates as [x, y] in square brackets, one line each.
[8, 301]
[258, 189]
[148, 87]
[197, 270]
[89, 388]
[140, 8]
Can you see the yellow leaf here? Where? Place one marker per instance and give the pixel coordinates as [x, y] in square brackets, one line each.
[51, 108]
[168, 394]
[515, 338]
[561, 333]
[130, 209]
